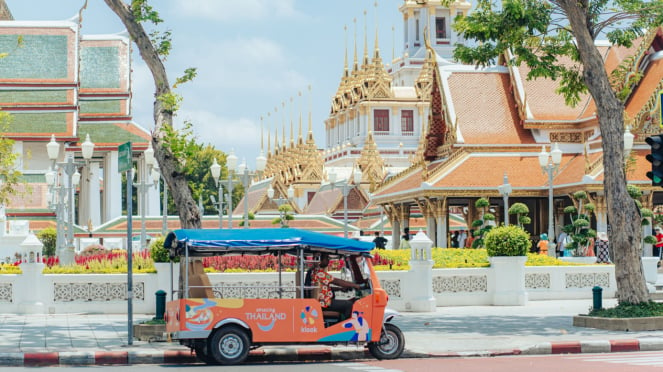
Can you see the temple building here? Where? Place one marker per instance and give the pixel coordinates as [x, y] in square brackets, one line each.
[61, 86]
[431, 137]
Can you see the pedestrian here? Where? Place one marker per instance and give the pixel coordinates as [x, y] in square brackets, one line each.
[470, 239]
[462, 237]
[561, 244]
[602, 252]
[405, 239]
[380, 241]
[542, 245]
[659, 242]
[454, 239]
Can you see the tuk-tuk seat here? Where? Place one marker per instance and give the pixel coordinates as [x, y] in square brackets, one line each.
[200, 281]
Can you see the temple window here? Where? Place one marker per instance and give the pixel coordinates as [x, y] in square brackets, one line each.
[440, 28]
[407, 122]
[381, 122]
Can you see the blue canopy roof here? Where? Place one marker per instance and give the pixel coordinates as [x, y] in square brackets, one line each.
[220, 241]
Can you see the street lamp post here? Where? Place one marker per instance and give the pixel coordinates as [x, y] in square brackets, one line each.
[61, 194]
[215, 169]
[280, 201]
[505, 190]
[245, 176]
[346, 187]
[143, 186]
[549, 163]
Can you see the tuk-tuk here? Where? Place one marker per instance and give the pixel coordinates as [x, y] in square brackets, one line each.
[223, 330]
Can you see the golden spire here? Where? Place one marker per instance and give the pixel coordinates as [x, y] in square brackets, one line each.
[292, 125]
[310, 114]
[283, 142]
[262, 136]
[269, 137]
[365, 62]
[355, 67]
[299, 138]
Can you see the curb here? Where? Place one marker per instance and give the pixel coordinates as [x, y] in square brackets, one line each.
[298, 354]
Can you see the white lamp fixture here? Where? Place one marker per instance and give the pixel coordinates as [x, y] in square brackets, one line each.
[628, 140]
[53, 148]
[87, 148]
[215, 168]
[231, 160]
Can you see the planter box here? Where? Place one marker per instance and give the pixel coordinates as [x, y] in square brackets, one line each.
[150, 332]
[620, 324]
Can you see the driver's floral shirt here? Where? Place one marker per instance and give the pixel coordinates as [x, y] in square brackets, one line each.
[320, 277]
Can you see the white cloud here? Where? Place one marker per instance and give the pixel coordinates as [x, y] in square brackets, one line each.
[236, 11]
[225, 134]
[251, 67]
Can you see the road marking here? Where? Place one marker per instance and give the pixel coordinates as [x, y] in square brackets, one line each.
[636, 359]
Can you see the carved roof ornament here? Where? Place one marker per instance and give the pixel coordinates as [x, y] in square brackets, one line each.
[437, 125]
[371, 163]
[424, 82]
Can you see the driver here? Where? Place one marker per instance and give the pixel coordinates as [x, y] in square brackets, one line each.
[320, 276]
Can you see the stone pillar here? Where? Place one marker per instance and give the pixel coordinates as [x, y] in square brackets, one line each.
[89, 204]
[509, 275]
[28, 289]
[112, 208]
[419, 281]
[395, 234]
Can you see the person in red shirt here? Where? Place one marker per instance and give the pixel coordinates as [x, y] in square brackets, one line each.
[320, 276]
[659, 242]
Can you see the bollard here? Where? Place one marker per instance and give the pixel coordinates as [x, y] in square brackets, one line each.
[598, 297]
[161, 304]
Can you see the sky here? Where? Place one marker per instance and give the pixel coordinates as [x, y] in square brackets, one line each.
[252, 57]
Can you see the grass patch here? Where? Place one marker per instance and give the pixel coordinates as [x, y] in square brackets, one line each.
[628, 310]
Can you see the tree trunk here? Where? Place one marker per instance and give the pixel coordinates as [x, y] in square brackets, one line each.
[623, 214]
[176, 180]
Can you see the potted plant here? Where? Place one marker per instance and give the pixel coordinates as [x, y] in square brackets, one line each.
[507, 252]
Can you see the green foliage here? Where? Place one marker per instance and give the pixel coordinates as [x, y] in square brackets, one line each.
[520, 210]
[579, 229]
[481, 203]
[10, 178]
[142, 11]
[538, 35]
[48, 237]
[171, 101]
[157, 251]
[189, 74]
[286, 215]
[507, 241]
[626, 310]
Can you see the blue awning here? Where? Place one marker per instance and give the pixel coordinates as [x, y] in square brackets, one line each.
[256, 241]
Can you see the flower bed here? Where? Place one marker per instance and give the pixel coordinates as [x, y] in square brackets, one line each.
[112, 262]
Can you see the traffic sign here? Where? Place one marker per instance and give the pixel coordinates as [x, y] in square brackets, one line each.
[124, 158]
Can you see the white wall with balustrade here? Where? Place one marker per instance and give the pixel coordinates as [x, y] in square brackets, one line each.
[106, 293]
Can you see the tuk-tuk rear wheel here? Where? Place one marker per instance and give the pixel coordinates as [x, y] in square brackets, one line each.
[391, 344]
[229, 345]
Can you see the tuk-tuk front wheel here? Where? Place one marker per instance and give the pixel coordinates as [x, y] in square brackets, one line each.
[391, 343]
[230, 345]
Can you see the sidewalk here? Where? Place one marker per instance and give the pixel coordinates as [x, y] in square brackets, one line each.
[540, 327]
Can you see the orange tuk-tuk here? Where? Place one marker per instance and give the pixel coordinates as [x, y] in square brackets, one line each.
[223, 328]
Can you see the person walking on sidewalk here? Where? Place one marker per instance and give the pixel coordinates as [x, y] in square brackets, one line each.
[380, 241]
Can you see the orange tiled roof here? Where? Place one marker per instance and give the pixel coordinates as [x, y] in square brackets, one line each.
[486, 110]
[646, 88]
